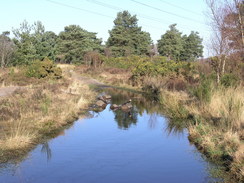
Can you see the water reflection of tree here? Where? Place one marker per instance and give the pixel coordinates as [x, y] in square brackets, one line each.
[47, 150]
[142, 103]
[152, 122]
[126, 118]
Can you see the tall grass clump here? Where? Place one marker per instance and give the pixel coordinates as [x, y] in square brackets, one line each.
[228, 105]
[173, 104]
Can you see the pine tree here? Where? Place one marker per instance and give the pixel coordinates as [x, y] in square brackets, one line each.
[45, 42]
[192, 47]
[24, 42]
[171, 44]
[126, 37]
[74, 42]
[33, 42]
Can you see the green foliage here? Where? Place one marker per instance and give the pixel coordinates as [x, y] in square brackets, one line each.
[161, 66]
[24, 42]
[32, 42]
[124, 62]
[151, 71]
[229, 80]
[46, 45]
[177, 47]
[192, 47]
[44, 69]
[127, 38]
[170, 44]
[74, 42]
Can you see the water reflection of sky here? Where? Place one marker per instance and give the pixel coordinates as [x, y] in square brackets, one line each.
[99, 150]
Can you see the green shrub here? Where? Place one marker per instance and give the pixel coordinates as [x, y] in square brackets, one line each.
[123, 62]
[162, 67]
[43, 69]
[229, 79]
[204, 90]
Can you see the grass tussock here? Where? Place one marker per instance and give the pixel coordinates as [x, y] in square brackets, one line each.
[31, 113]
[173, 103]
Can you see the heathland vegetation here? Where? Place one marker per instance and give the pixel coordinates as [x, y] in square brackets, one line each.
[206, 96]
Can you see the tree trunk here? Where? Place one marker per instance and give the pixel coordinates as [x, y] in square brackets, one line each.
[218, 70]
[241, 24]
[223, 65]
[218, 77]
[2, 61]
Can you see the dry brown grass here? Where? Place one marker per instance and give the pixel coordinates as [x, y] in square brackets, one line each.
[112, 76]
[239, 160]
[229, 105]
[173, 103]
[15, 76]
[220, 129]
[226, 108]
[30, 113]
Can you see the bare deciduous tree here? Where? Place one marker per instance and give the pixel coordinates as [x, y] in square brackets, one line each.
[93, 59]
[226, 21]
[219, 41]
[6, 48]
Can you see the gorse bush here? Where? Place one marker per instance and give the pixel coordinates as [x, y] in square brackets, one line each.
[161, 66]
[154, 73]
[142, 66]
[44, 69]
[203, 91]
[123, 62]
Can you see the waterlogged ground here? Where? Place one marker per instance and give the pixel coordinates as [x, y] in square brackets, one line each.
[138, 146]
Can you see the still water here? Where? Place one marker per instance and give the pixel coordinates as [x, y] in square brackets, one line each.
[139, 146]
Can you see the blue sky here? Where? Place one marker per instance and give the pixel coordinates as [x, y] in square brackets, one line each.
[154, 16]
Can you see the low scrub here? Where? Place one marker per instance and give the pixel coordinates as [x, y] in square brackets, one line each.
[44, 69]
[38, 72]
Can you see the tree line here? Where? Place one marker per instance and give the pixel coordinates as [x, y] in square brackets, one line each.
[126, 38]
